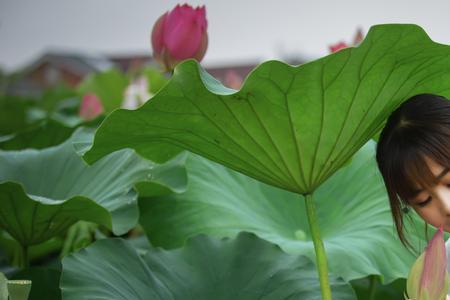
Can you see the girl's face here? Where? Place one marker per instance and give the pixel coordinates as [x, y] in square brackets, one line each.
[433, 205]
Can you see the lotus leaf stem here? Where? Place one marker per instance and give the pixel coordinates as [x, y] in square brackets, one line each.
[321, 257]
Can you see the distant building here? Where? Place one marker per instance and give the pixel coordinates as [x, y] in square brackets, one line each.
[131, 62]
[70, 68]
[55, 68]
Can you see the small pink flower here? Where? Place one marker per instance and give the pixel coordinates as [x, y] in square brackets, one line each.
[428, 278]
[90, 107]
[338, 46]
[357, 39]
[180, 34]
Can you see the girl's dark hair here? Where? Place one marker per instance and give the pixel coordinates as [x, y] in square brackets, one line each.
[418, 128]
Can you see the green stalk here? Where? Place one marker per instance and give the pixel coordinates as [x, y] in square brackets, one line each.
[321, 257]
[22, 260]
[373, 281]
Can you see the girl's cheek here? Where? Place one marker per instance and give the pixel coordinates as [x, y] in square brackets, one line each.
[434, 218]
[427, 215]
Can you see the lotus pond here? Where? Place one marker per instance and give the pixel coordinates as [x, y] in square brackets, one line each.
[205, 192]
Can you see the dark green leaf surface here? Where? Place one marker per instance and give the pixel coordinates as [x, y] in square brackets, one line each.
[352, 208]
[291, 127]
[245, 268]
[43, 192]
[45, 133]
[13, 248]
[393, 291]
[13, 114]
[45, 282]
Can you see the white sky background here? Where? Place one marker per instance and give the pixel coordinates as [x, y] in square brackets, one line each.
[239, 30]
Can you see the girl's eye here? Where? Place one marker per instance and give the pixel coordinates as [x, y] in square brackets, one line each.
[423, 203]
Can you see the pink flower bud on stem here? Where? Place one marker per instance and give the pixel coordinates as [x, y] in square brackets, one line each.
[90, 107]
[180, 34]
[428, 278]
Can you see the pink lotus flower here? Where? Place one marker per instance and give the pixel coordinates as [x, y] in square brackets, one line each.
[428, 278]
[90, 107]
[180, 34]
[338, 46]
[359, 36]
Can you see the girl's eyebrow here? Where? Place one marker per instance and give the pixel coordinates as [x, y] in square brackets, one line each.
[445, 171]
[439, 177]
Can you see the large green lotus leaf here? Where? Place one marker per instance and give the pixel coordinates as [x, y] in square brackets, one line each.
[45, 133]
[167, 178]
[352, 209]
[245, 268]
[291, 127]
[43, 192]
[109, 86]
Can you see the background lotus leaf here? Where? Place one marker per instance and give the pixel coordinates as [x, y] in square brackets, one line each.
[43, 192]
[245, 268]
[352, 210]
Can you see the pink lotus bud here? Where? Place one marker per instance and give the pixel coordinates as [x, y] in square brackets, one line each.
[180, 34]
[90, 107]
[338, 46]
[428, 278]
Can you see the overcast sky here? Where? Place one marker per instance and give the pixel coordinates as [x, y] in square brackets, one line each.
[239, 30]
